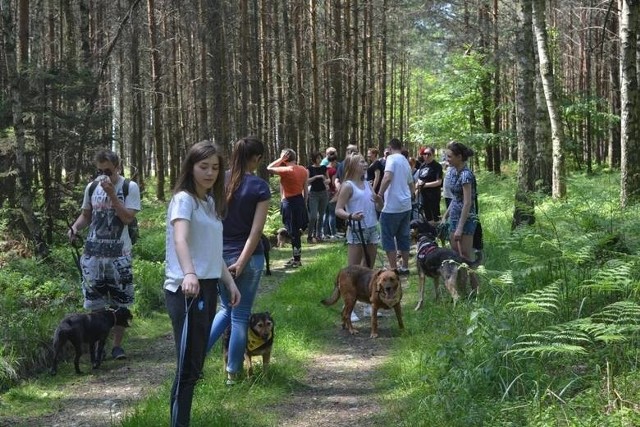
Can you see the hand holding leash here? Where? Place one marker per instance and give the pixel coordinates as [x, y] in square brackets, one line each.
[190, 285]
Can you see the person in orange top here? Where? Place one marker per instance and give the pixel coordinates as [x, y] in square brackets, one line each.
[293, 203]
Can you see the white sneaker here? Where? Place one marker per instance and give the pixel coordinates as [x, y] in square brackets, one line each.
[354, 317]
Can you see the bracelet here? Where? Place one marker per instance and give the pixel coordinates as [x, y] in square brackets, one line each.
[186, 274]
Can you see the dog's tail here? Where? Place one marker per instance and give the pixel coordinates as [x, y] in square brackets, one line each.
[334, 296]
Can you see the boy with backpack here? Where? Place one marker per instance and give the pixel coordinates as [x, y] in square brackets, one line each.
[109, 209]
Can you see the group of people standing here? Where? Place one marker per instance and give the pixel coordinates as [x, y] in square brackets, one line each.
[215, 220]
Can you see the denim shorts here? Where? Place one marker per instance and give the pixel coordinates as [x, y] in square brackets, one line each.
[395, 231]
[371, 235]
[469, 227]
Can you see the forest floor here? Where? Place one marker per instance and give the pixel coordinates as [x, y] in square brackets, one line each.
[338, 388]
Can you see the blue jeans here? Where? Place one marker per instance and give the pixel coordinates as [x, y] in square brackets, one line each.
[330, 220]
[237, 317]
[317, 206]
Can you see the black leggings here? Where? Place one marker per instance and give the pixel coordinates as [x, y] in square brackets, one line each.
[294, 218]
[201, 313]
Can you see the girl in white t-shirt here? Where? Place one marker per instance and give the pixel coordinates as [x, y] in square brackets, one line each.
[194, 266]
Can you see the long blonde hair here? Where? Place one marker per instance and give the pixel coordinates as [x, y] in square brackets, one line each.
[352, 171]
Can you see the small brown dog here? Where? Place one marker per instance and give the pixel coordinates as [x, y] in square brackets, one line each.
[380, 288]
[437, 262]
[259, 341]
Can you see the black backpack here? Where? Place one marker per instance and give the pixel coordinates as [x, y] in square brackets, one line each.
[134, 232]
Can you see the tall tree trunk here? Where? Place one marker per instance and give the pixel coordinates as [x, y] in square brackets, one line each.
[524, 212]
[559, 184]
[156, 109]
[338, 113]
[497, 95]
[614, 95]
[136, 109]
[18, 83]
[315, 79]
[629, 97]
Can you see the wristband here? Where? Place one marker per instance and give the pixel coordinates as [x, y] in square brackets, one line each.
[186, 274]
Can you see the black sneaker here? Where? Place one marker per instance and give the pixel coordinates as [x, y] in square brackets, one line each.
[118, 353]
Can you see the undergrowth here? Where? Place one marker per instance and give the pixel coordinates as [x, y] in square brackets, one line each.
[552, 338]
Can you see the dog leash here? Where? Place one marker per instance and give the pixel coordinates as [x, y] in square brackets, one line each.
[76, 253]
[183, 350]
[360, 232]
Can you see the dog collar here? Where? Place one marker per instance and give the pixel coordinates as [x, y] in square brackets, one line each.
[255, 341]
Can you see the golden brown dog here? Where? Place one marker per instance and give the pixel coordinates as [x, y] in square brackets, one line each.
[380, 288]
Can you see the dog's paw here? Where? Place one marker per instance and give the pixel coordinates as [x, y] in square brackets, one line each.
[373, 335]
[354, 331]
[419, 305]
[53, 371]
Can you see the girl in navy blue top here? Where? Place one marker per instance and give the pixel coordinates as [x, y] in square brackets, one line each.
[248, 197]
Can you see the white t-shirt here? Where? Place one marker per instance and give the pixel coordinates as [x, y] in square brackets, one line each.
[397, 197]
[108, 236]
[205, 239]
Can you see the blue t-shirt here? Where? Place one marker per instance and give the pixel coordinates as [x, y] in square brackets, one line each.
[241, 210]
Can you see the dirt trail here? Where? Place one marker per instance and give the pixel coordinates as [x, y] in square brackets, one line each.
[339, 387]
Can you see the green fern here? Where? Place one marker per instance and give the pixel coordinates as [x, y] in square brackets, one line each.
[545, 300]
[617, 322]
[614, 276]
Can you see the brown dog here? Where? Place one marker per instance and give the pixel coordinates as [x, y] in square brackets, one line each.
[380, 288]
[259, 340]
[437, 262]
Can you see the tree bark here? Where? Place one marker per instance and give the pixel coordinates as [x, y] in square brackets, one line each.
[524, 211]
[559, 184]
[629, 97]
[156, 108]
[18, 84]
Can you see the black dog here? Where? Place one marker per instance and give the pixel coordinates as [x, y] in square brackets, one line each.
[92, 328]
[266, 248]
[437, 262]
[420, 227]
[259, 340]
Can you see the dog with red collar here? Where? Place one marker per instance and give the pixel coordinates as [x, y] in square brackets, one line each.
[437, 262]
